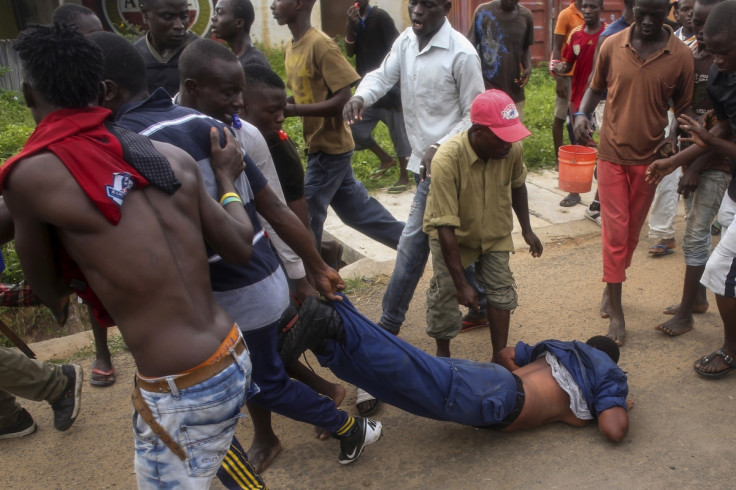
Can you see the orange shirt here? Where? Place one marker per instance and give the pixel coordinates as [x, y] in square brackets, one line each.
[638, 95]
[568, 20]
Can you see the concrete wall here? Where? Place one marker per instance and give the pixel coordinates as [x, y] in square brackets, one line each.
[266, 30]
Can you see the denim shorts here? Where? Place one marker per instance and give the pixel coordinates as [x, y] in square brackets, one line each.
[201, 418]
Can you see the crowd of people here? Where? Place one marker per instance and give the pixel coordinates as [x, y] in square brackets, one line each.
[169, 155]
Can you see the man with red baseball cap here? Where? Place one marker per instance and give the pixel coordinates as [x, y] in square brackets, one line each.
[478, 177]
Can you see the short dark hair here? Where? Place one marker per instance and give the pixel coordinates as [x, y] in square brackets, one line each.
[61, 65]
[605, 344]
[194, 61]
[722, 20]
[123, 63]
[70, 12]
[256, 73]
[243, 9]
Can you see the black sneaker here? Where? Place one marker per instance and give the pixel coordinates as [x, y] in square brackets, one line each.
[365, 432]
[66, 407]
[318, 322]
[24, 426]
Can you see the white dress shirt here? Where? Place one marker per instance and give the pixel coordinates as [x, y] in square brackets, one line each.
[438, 85]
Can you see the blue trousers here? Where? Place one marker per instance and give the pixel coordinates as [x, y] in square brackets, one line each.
[330, 181]
[456, 390]
[281, 394]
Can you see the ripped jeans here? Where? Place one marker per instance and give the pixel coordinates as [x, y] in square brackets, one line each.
[201, 418]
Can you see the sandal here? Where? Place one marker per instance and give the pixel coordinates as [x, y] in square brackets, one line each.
[729, 361]
[570, 200]
[381, 172]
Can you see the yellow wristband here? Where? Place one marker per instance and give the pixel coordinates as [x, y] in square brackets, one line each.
[230, 199]
[228, 194]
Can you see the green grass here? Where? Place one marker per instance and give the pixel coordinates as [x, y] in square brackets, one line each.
[539, 108]
[115, 343]
[16, 124]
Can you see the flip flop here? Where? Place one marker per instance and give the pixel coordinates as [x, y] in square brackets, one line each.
[381, 172]
[659, 250]
[705, 360]
[398, 188]
[102, 378]
[570, 201]
[468, 326]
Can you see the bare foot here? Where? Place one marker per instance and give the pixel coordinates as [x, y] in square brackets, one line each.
[676, 326]
[338, 395]
[617, 331]
[697, 308]
[261, 454]
[605, 304]
[403, 180]
[629, 403]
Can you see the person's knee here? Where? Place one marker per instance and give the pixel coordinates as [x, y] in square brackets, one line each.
[503, 298]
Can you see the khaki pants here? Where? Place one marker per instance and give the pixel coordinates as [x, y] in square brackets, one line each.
[492, 272]
[26, 378]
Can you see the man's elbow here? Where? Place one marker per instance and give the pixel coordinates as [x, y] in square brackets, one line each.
[616, 433]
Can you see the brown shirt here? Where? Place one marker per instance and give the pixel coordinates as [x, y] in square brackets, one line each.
[316, 69]
[639, 94]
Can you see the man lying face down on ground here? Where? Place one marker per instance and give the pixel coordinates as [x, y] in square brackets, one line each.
[552, 381]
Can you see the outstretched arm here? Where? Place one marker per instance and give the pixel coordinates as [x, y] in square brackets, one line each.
[301, 241]
[332, 106]
[614, 423]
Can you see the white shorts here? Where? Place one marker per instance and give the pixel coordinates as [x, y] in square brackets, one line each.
[720, 271]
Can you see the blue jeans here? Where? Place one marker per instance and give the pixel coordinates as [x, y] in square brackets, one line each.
[329, 180]
[283, 395]
[704, 204]
[457, 390]
[201, 419]
[411, 258]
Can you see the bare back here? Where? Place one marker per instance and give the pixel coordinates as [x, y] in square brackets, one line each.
[150, 270]
[544, 401]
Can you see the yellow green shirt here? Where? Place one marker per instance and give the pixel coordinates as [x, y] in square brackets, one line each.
[316, 69]
[474, 197]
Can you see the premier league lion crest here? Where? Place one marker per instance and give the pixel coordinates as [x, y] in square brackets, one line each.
[121, 184]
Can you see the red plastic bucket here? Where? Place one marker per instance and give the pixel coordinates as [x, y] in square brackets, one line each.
[576, 168]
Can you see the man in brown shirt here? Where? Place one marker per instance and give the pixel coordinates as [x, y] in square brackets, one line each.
[642, 67]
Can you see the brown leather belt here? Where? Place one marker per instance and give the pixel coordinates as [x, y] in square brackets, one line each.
[195, 377]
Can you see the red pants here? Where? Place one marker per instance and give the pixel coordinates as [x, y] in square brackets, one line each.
[625, 199]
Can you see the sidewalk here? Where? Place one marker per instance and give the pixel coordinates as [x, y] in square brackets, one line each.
[549, 221]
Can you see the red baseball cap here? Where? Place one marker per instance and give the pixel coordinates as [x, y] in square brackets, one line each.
[495, 110]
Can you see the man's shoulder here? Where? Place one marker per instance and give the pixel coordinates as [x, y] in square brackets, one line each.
[460, 44]
[526, 12]
[486, 7]
[381, 15]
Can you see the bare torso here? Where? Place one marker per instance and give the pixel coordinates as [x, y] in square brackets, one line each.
[150, 270]
[545, 401]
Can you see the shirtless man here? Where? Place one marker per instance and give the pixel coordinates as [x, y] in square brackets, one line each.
[523, 392]
[141, 248]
